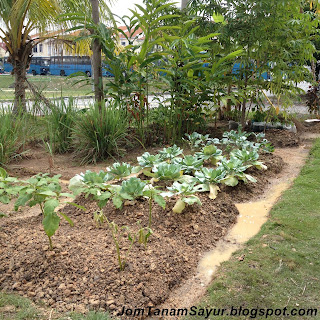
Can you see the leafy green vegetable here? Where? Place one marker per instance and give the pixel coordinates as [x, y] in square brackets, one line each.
[170, 153]
[167, 171]
[189, 163]
[121, 170]
[212, 153]
[235, 171]
[211, 177]
[186, 192]
[148, 160]
[196, 140]
[249, 158]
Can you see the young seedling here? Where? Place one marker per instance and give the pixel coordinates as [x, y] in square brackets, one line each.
[99, 218]
[8, 187]
[143, 234]
[153, 194]
[46, 192]
[118, 235]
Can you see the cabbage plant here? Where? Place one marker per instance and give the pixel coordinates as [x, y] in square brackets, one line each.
[167, 154]
[121, 170]
[167, 171]
[186, 193]
[148, 160]
[212, 153]
[235, 171]
[211, 178]
[249, 157]
[189, 163]
[92, 184]
[196, 140]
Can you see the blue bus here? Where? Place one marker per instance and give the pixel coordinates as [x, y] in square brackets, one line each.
[38, 65]
[67, 65]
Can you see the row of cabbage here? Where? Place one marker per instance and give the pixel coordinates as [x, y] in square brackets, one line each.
[203, 171]
[169, 173]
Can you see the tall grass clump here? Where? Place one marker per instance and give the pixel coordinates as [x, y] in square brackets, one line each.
[98, 133]
[14, 132]
[60, 121]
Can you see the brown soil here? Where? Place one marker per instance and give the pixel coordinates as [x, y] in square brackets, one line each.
[282, 138]
[82, 272]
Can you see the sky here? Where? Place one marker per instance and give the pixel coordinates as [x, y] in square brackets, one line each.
[121, 7]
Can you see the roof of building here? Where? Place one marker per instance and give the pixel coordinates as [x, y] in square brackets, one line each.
[136, 34]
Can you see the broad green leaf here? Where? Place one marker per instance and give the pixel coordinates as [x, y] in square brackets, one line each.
[77, 206]
[22, 200]
[117, 201]
[50, 206]
[68, 195]
[3, 173]
[50, 223]
[191, 200]
[230, 181]
[4, 199]
[160, 201]
[48, 193]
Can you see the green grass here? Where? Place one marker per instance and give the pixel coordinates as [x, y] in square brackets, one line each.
[13, 307]
[281, 267]
[50, 86]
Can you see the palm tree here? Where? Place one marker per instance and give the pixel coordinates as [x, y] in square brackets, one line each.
[20, 19]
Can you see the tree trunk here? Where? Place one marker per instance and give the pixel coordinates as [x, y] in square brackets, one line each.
[184, 4]
[19, 70]
[96, 57]
[313, 70]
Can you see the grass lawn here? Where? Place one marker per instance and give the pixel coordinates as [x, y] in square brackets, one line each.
[50, 86]
[280, 269]
[281, 266]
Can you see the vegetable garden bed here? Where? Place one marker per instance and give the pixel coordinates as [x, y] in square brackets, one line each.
[82, 272]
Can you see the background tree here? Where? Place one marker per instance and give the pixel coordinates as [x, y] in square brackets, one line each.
[276, 38]
[21, 18]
